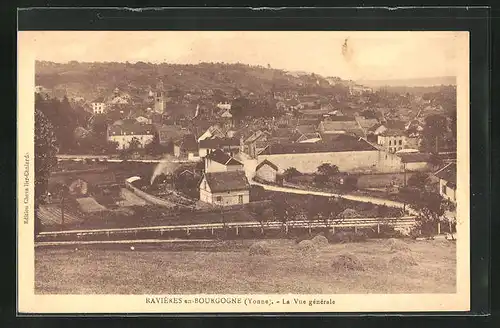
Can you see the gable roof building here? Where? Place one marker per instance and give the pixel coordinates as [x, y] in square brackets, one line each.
[448, 181]
[341, 127]
[349, 153]
[225, 188]
[227, 181]
[219, 161]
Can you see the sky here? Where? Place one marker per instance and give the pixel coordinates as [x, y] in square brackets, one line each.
[346, 54]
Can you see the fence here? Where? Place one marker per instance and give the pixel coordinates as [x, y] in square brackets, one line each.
[211, 228]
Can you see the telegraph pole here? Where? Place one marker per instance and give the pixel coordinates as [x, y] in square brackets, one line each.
[62, 209]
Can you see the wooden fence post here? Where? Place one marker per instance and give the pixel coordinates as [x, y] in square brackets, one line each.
[378, 228]
[439, 228]
[237, 231]
[286, 228]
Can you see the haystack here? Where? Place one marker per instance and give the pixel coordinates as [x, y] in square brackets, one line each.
[306, 246]
[397, 245]
[260, 248]
[320, 241]
[347, 261]
[403, 259]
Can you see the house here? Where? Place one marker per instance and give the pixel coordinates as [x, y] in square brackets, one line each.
[219, 161]
[309, 137]
[98, 106]
[366, 123]
[356, 89]
[227, 118]
[308, 101]
[302, 129]
[340, 127]
[228, 145]
[170, 133]
[448, 181]
[349, 153]
[395, 140]
[186, 147]
[415, 161]
[143, 120]
[118, 100]
[126, 132]
[214, 131]
[267, 171]
[281, 106]
[256, 142]
[225, 188]
[224, 105]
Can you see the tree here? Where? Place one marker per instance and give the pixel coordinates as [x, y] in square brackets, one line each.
[431, 207]
[435, 130]
[239, 108]
[283, 208]
[46, 149]
[291, 173]
[154, 147]
[328, 169]
[320, 179]
[134, 145]
[419, 180]
[262, 214]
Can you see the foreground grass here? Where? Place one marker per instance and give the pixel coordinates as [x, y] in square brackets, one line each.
[286, 270]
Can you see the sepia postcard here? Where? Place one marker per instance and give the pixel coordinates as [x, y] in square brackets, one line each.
[243, 171]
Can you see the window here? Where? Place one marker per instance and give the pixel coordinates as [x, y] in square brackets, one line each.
[400, 142]
[443, 189]
[390, 142]
[240, 199]
[219, 198]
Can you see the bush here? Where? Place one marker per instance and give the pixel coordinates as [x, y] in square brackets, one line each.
[347, 261]
[260, 248]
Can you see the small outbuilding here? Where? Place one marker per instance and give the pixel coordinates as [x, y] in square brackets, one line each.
[267, 171]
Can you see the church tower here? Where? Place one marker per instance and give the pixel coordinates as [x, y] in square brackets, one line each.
[159, 98]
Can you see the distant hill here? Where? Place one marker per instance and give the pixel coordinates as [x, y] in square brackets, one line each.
[416, 82]
[89, 80]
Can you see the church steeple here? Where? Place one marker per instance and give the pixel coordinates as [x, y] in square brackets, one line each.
[159, 98]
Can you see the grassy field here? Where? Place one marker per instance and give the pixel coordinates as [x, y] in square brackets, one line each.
[149, 269]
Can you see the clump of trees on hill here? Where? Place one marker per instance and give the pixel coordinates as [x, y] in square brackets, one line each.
[73, 128]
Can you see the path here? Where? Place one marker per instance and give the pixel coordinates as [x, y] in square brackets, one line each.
[358, 198]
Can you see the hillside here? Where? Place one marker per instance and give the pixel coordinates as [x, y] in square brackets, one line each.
[89, 80]
[417, 82]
